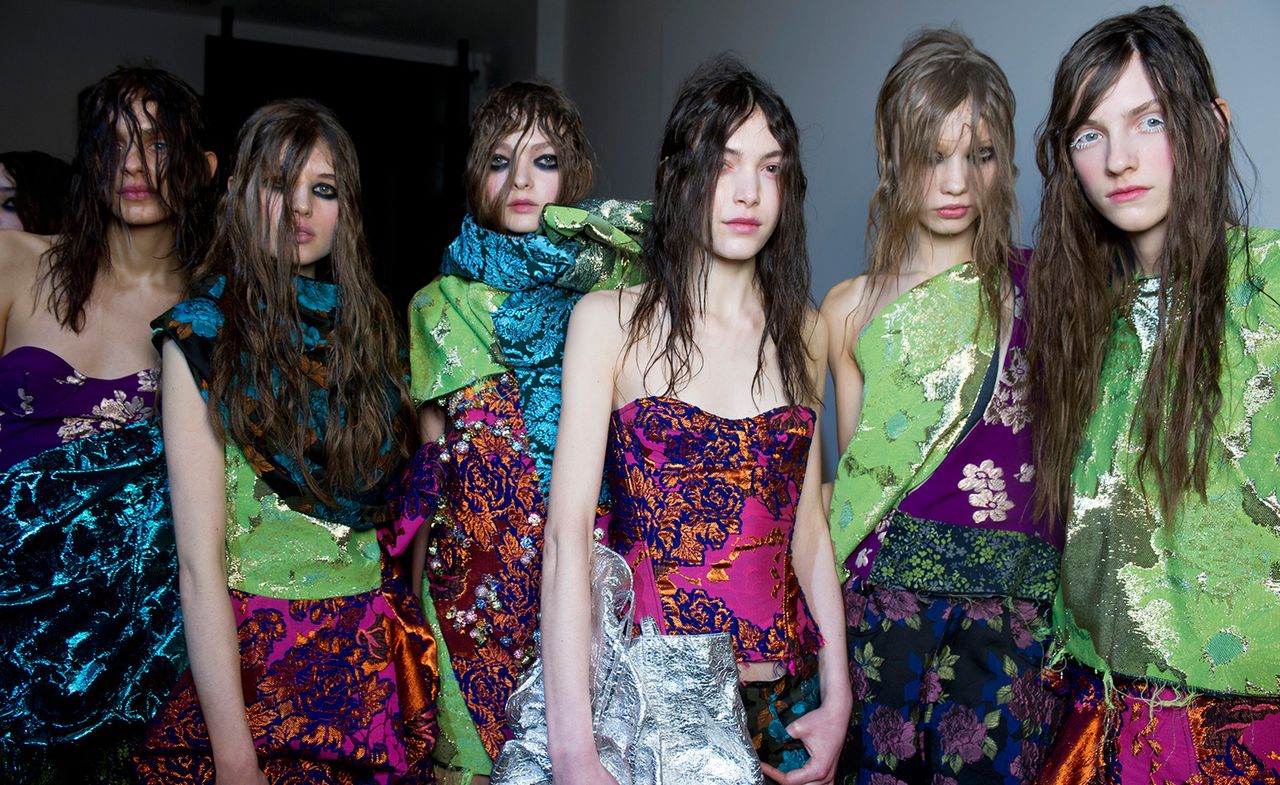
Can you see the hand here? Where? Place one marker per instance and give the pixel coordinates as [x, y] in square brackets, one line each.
[822, 731]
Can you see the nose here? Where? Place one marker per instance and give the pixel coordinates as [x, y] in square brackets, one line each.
[521, 170]
[301, 202]
[133, 158]
[746, 187]
[954, 175]
[1121, 155]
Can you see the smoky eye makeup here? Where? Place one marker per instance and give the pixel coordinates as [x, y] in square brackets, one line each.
[548, 161]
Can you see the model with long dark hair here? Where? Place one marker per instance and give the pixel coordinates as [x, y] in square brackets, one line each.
[950, 571]
[697, 393]
[89, 618]
[33, 191]
[1153, 325]
[286, 414]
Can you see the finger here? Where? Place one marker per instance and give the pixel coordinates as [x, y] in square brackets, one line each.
[775, 774]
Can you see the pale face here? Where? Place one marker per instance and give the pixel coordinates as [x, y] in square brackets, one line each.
[314, 202]
[748, 197]
[530, 161]
[8, 206]
[959, 166]
[136, 201]
[1124, 162]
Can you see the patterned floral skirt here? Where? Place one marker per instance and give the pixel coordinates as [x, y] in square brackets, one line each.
[1150, 737]
[946, 689]
[485, 557]
[339, 690]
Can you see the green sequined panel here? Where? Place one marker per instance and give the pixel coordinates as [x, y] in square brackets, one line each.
[275, 551]
[1194, 601]
[924, 358]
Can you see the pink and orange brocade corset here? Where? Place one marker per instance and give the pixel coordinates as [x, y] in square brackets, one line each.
[703, 511]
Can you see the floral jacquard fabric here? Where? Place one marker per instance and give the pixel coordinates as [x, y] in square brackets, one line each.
[967, 706]
[484, 559]
[1140, 733]
[45, 402]
[703, 511]
[337, 692]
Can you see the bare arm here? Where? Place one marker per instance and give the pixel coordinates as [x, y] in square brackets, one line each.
[19, 267]
[821, 730]
[197, 468]
[591, 352]
[842, 313]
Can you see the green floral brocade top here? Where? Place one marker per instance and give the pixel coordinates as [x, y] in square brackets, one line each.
[1193, 602]
[922, 381]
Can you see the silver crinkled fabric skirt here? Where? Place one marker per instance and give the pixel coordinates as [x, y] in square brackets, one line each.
[665, 708]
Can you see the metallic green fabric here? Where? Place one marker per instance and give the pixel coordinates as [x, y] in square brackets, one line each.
[924, 358]
[1195, 601]
[276, 551]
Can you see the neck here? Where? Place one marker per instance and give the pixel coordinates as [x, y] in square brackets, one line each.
[937, 252]
[1148, 248]
[141, 251]
[731, 288]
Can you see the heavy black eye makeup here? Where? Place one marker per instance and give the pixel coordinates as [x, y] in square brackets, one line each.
[325, 191]
[547, 161]
[498, 163]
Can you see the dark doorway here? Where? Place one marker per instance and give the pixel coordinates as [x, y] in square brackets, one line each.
[409, 124]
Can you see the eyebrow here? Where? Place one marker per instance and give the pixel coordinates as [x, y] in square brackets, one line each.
[1141, 108]
[738, 153]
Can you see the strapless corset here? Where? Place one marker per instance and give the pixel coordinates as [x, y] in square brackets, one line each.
[703, 511]
[45, 402]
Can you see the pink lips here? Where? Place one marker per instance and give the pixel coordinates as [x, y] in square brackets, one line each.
[743, 225]
[302, 235]
[1128, 193]
[951, 212]
[522, 206]
[135, 193]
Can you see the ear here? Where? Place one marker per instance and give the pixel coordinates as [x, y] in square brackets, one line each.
[211, 158]
[1223, 112]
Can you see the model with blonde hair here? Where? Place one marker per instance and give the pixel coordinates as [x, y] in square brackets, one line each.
[949, 570]
[1153, 337]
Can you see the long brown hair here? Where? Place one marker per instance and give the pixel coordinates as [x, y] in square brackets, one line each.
[261, 342]
[1084, 266]
[520, 107]
[938, 72]
[713, 103]
[183, 183]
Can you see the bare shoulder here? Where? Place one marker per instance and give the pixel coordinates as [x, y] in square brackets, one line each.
[844, 298]
[605, 312]
[20, 254]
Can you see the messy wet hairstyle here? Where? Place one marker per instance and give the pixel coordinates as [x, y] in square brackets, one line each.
[41, 181]
[521, 107]
[261, 339]
[938, 72]
[718, 98]
[182, 181]
[1085, 267]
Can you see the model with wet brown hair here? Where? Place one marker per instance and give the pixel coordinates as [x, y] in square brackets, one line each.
[487, 338]
[1153, 343]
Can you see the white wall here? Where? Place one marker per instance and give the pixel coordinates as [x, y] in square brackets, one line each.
[51, 49]
[625, 61]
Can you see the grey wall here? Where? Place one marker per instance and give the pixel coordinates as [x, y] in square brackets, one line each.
[625, 61]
